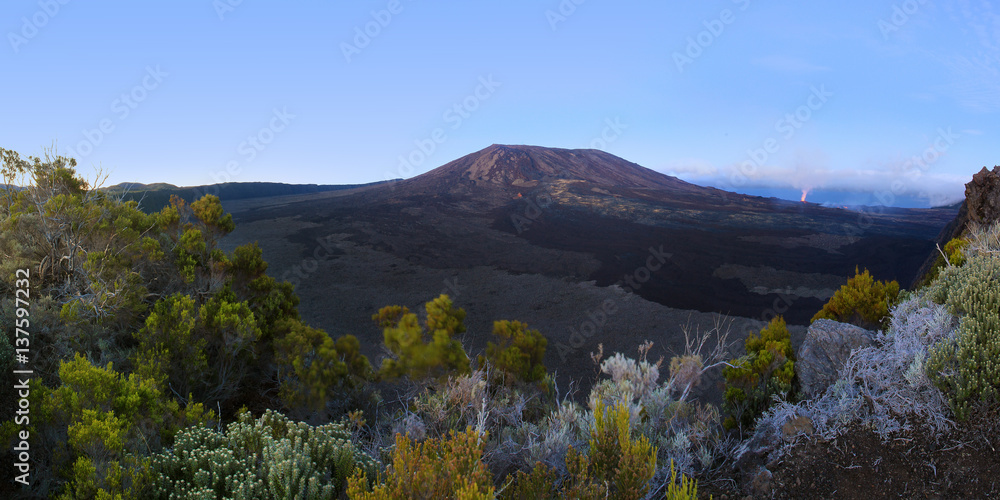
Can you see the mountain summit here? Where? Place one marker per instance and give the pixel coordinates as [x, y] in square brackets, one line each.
[516, 167]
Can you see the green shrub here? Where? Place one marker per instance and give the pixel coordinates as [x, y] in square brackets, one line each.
[540, 483]
[862, 301]
[101, 424]
[615, 458]
[767, 369]
[311, 366]
[955, 249]
[685, 489]
[967, 366]
[270, 457]
[203, 350]
[435, 469]
[519, 353]
[423, 352]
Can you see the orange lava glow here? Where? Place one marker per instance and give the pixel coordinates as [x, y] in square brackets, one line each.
[804, 192]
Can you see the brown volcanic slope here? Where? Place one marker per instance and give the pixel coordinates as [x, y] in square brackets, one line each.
[518, 167]
[505, 213]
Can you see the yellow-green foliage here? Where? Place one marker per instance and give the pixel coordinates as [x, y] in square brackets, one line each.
[102, 424]
[862, 301]
[311, 365]
[204, 350]
[766, 369]
[270, 457]
[436, 469]
[955, 250]
[540, 483]
[685, 489]
[518, 353]
[422, 352]
[626, 464]
[967, 366]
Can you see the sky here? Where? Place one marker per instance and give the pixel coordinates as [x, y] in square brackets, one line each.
[897, 101]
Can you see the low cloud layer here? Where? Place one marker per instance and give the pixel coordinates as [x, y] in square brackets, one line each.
[900, 179]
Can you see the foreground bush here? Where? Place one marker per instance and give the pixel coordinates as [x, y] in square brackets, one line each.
[766, 370]
[436, 469]
[270, 457]
[615, 458]
[97, 427]
[862, 301]
[966, 366]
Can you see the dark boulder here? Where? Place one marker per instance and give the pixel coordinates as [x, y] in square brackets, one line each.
[827, 346]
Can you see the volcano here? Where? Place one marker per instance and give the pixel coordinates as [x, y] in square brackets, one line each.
[518, 167]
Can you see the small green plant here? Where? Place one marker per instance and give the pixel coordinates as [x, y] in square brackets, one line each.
[436, 469]
[955, 251]
[519, 352]
[862, 301]
[312, 366]
[766, 369]
[685, 489]
[424, 352]
[625, 463]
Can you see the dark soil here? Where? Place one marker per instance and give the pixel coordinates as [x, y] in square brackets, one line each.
[859, 465]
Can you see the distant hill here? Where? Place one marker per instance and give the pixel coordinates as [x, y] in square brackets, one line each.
[153, 197]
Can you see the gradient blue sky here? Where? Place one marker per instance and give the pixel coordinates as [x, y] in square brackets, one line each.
[908, 79]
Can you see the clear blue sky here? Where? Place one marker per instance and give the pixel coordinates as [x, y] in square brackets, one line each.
[697, 89]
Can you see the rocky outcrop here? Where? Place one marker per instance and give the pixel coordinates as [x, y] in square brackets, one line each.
[981, 205]
[827, 346]
[982, 196]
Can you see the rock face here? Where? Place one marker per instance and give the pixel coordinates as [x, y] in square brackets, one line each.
[982, 196]
[824, 352]
[981, 205]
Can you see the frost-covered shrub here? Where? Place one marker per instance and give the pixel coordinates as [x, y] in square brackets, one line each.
[630, 382]
[270, 457]
[883, 387]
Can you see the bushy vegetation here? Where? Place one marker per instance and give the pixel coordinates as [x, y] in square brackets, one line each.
[765, 371]
[863, 301]
[422, 352]
[437, 468]
[966, 365]
[268, 457]
[518, 355]
[144, 327]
